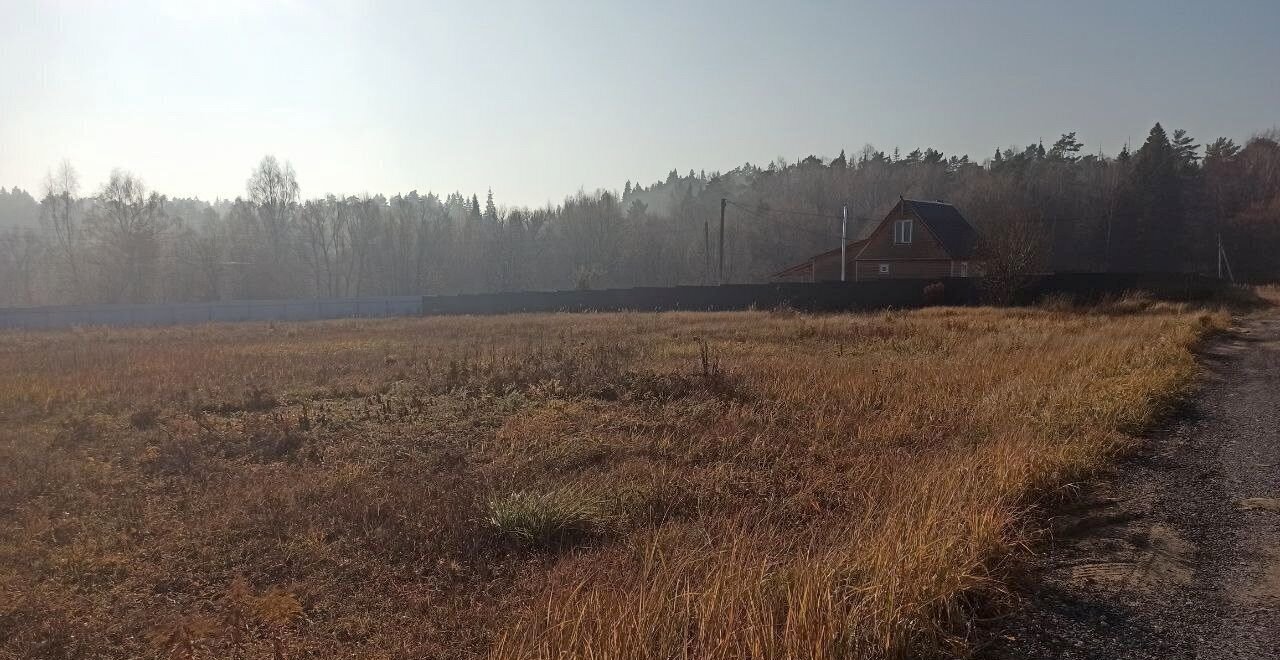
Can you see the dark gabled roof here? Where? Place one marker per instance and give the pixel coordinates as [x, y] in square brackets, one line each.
[792, 271]
[849, 248]
[956, 235]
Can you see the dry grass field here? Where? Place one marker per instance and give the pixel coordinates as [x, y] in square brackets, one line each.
[683, 485]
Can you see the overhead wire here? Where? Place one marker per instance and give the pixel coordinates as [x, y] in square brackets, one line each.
[813, 232]
[784, 211]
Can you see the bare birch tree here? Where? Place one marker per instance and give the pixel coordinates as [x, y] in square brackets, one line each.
[128, 222]
[60, 211]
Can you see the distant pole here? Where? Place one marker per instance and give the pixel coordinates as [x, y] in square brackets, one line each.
[1219, 255]
[706, 251]
[1106, 255]
[844, 231]
[723, 201]
[1224, 261]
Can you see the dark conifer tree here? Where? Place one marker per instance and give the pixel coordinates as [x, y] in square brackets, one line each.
[1158, 229]
[473, 211]
[1184, 152]
[1066, 149]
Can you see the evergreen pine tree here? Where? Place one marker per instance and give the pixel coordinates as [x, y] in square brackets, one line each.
[1159, 228]
[1066, 148]
[1184, 151]
[1220, 150]
[490, 209]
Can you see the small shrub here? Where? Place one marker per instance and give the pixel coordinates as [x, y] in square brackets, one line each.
[184, 637]
[715, 378]
[258, 399]
[935, 293]
[173, 456]
[1057, 302]
[1133, 302]
[76, 430]
[1246, 299]
[144, 418]
[549, 520]
[270, 438]
[784, 310]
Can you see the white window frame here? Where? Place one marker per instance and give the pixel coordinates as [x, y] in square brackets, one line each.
[902, 231]
[884, 269]
[964, 269]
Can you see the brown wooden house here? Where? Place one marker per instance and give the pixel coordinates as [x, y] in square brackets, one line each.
[917, 239]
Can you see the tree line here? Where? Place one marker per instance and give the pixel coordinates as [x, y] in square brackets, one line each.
[1165, 206]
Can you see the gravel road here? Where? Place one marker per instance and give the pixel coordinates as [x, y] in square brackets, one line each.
[1175, 553]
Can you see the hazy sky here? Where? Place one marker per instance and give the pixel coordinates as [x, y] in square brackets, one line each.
[538, 99]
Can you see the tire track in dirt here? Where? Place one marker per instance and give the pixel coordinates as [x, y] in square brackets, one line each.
[1176, 552]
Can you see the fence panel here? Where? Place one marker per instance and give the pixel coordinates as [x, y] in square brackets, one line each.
[66, 316]
[817, 297]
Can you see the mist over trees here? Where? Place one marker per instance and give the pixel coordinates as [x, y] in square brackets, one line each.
[1161, 206]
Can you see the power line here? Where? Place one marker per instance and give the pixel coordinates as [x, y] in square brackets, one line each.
[813, 232]
[786, 211]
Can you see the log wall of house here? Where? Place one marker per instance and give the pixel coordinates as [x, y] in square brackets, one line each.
[916, 268]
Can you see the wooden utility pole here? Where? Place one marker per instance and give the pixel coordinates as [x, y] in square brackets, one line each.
[723, 201]
[706, 251]
[1224, 261]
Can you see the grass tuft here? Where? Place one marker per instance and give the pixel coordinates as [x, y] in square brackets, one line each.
[144, 418]
[548, 520]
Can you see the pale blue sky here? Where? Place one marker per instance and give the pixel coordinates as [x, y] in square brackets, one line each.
[538, 99]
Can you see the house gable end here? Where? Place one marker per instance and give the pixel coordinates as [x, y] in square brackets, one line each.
[924, 243]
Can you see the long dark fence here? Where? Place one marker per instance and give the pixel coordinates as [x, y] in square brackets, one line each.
[65, 316]
[810, 297]
[817, 297]
[1092, 287]
[826, 296]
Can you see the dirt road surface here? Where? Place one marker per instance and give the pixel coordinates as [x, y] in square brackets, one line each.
[1176, 553]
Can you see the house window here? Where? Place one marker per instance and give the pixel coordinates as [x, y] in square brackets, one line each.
[964, 269]
[902, 232]
[884, 269]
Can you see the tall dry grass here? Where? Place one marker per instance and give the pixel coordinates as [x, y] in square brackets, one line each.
[553, 486]
[917, 441]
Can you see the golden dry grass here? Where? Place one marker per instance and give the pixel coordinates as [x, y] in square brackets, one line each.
[722, 485]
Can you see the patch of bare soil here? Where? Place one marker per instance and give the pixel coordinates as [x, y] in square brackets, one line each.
[1176, 553]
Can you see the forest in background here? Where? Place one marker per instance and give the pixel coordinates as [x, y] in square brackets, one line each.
[1160, 207]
